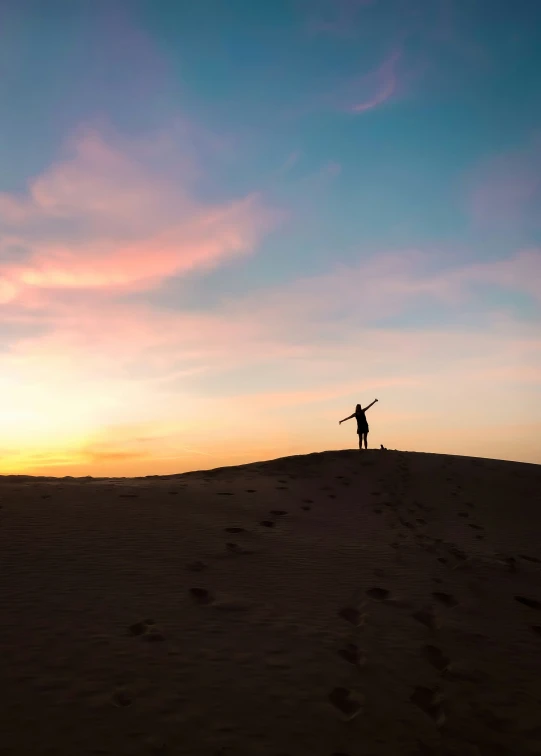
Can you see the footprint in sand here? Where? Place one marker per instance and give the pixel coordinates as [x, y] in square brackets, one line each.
[196, 566]
[224, 493]
[282, 488]
[267, 523]
[121, 698]
[201, 595]
[346, 701]
[128, 496]
[436, 657]
[457, 553]
[141, 627]
[405, 523]
[352, 655]
[45, 496]
[446, 599]
[308, 501]
[250, 490]
[463, 514]
[234, 548]
[378, 594]
[172, 493]
[146, 630]
[473, 526]
[530, 558]
[430, 702]
[352, 615]
[278, 512]
[377, 511]
[306, 507]
[531, 603]
[235, 530]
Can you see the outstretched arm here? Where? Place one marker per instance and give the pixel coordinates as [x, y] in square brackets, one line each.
[370, 405]
[346, 418]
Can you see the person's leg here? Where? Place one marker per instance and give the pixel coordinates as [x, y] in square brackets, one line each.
[360, 441]
[366, 440]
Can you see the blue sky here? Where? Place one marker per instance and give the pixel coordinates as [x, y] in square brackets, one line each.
[294, 201]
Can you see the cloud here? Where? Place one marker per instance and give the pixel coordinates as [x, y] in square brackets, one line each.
[359, 93]
[379, 85]
[104, 218]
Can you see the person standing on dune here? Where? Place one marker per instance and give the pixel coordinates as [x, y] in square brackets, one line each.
[362, 423]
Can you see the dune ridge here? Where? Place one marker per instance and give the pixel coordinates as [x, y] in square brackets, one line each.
[340, 603]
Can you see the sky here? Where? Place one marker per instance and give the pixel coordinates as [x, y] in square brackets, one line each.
[224, 224]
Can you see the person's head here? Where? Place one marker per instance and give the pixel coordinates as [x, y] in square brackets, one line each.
[358, 408]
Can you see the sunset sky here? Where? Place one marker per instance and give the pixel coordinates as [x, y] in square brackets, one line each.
[223, 223]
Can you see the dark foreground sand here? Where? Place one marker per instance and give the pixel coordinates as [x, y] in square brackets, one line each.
[341, 603]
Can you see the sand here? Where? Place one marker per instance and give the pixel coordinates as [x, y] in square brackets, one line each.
[344, 603]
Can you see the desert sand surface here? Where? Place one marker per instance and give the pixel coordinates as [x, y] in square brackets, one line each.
[335, 604]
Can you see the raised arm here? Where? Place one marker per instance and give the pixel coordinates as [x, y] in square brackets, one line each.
[370, 405]
[346, 418]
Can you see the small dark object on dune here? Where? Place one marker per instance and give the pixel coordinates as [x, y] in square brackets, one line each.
[383, 448]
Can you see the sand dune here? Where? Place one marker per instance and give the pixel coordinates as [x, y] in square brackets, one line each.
[343, 603]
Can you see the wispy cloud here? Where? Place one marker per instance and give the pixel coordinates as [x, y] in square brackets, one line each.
[379, 85]
[102, 218]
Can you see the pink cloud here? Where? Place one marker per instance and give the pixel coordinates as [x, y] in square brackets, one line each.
[382, 83]
[103, 218]
[367, 91]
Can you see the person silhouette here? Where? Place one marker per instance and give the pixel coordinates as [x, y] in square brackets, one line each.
[362, 423]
